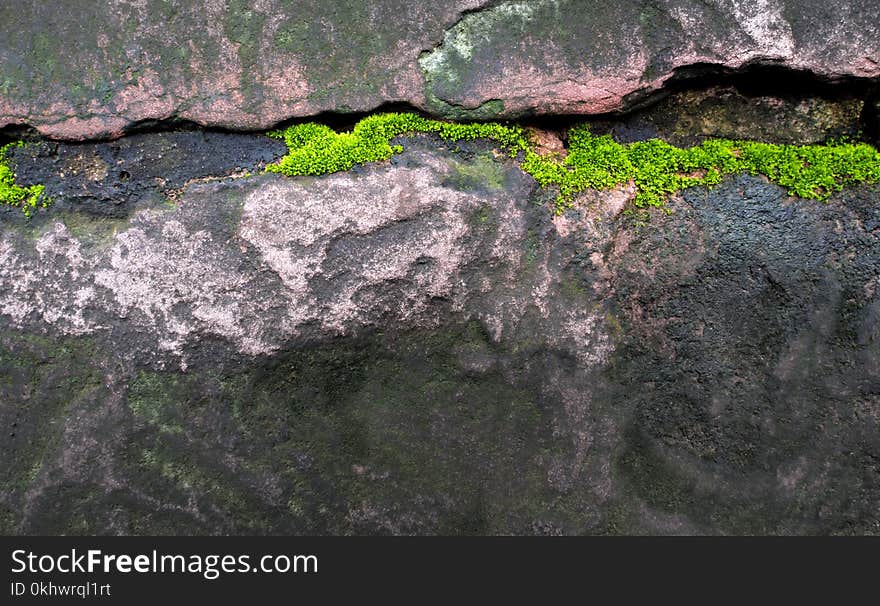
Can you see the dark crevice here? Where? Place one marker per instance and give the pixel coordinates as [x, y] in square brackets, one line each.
[871, 117]
[18, 132]
[342, 121]
[754, 80]
[173, 124]
[762, 79]
[479, 9]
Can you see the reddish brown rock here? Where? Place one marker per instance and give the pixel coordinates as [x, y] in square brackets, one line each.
[89, 69]
[94, 69]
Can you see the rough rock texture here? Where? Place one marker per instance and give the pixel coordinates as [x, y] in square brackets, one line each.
[110, 179]
[422, 347]
[87, 69]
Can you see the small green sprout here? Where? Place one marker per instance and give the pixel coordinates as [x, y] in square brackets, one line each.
[26, 198]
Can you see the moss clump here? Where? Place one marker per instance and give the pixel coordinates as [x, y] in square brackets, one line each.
[27, 198]
[315, 149]
[658, 169]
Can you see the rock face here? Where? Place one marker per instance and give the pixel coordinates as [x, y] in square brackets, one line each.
[422, 347]
[95, 69]
[189, 345]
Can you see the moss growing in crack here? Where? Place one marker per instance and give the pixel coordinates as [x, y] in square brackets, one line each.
[657, 169]
[27, 198]
[315, 149]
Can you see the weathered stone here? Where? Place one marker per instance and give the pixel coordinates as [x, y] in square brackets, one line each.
[94, 69]
[420, 346]
[110, 178]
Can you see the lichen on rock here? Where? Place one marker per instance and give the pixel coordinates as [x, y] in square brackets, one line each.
[243, 66]
[611, 313]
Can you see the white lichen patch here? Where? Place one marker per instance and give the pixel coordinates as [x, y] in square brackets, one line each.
[317, 257]
[475, 29]
[178, 282]
[765, 23]
[51, 286]
[302, 238]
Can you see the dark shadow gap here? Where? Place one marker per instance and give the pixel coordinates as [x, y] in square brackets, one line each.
[754, 80]
[345, 121]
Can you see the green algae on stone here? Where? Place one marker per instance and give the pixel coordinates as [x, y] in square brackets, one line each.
[43, 381]
[482, 173]
[657, 168]
[27, 198]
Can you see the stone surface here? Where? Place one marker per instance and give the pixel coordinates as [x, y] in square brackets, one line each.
[421, 346]
[110, 179]
[85, 70]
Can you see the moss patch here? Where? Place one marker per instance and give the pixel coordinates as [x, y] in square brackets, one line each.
[657, 168]
[316, 149]
[26, 198]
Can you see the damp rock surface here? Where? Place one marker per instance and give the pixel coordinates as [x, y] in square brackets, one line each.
[422, 347]
[112, 178]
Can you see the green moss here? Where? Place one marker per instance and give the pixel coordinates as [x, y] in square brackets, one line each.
[315, 149]
[27, 198]
[658, 169]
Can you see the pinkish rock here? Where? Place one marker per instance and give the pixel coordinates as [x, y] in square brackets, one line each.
[86, 70]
